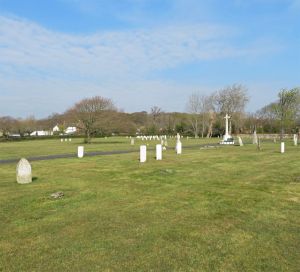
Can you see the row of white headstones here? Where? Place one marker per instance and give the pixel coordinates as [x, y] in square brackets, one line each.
[143, 149]
[159, 151]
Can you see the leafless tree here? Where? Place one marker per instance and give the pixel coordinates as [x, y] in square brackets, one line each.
[26, 126]
[232, 100]
[200, 108]
[156, 113]
[88, 112]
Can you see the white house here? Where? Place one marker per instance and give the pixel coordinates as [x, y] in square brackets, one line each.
[56, 129]
[41, 133]
[70, 130]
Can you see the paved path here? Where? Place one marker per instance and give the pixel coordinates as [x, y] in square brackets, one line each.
[91, 154]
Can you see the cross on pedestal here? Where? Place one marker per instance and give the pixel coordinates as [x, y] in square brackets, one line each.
[227, 117]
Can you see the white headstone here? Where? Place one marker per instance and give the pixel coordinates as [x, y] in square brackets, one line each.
[255, 140]
[282, 147]
[178, 147]
[80, 151]
[132, 141]
[143, 153]
[70, 140]
[166, 143]
[66, 139]
[23, 170]
[61, 140]
[295, 139]
[240, 141]
[158, 152]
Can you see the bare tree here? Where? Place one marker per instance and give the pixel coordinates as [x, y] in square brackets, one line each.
[232, 100]
[199, 107]
[155, 114]
[88, 113]
[26, 126]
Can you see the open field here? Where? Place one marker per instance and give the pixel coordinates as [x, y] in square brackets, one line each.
[19, 149]
[219, 209]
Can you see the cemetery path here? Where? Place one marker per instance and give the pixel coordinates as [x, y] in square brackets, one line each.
[95, 153]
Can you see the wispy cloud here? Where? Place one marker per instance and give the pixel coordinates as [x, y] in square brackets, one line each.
[33, 57]
[26, 44]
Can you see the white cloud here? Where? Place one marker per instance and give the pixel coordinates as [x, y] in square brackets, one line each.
[27, 45]
[54, 69]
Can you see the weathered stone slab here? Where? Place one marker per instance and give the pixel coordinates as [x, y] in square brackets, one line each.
[143, 153]
[159, 152]
[24, 173]
[80, 151]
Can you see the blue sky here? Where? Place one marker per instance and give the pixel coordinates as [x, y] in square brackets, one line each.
[143, 53]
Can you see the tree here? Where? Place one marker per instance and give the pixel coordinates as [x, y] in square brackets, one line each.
[232, 100]
[200, 108]
[26, 126]
[267, 120]
[287, 108]
[7, 124]
[155, 114]
[88, 113]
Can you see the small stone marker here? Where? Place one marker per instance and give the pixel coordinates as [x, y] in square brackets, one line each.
[255, 140]
[80, 151]
[24, 174]
[295, 139]
[178, 144]
[70, 140]
[57, 195]
[282, 147]
[159, 152]
[66, 140]
[61, 140]
[178, 148]
[240, 141]
[132, 141]
[143, 153]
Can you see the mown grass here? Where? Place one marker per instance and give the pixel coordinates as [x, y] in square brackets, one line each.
[19, 149]
[218, 209]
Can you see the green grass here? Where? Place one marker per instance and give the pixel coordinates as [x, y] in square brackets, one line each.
[224, 209]
[19, 149]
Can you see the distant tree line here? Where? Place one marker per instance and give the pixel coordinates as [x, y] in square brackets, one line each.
[204, 117]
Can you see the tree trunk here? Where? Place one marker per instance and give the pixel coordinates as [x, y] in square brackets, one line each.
[87, 138]
[211, 123]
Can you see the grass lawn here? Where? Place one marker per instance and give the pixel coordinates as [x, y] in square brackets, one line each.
[218, 209]
[19, 149]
